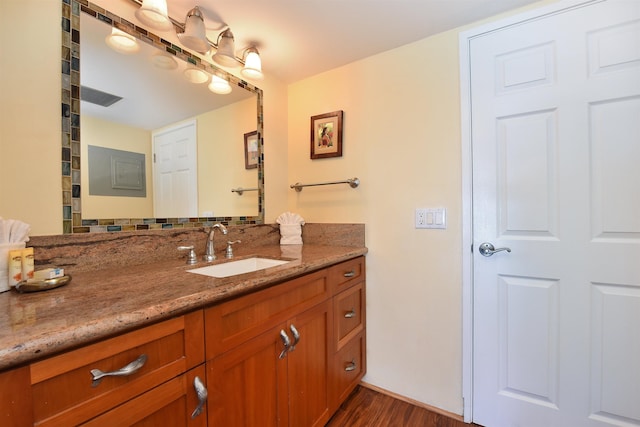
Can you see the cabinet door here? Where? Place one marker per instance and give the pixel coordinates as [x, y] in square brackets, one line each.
[308, 366]
[248, 385]
[170, 404]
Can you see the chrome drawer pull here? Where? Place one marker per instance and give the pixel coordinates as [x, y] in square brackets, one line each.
[296, 337]
[125, 371]
[350, 314]
[351, 273]
[201, 392]
[351, 366]
[286, 341]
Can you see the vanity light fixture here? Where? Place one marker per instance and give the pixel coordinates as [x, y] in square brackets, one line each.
[219, 85]
[195, 35]
[225, 54]
[154, 14]
[122, 42]
[252, 64]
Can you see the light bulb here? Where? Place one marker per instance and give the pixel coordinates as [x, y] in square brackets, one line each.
[219, 85]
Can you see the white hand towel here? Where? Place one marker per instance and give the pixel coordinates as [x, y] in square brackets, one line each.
[290, 228]
[13, 231]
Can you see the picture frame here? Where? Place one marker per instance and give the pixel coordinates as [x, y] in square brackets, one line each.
[326, 135]
[251, 150]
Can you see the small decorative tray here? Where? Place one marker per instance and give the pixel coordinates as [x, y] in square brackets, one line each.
[42, 285]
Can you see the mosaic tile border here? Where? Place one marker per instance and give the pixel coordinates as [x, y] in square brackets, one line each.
[72, 221]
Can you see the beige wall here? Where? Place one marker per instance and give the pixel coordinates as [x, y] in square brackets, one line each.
[30, 154]
[116, 136]
[402, 139]
[221, 160]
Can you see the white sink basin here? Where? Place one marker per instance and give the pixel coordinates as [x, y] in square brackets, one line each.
[241, 266]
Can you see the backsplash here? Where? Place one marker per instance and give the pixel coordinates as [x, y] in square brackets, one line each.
[94, 251]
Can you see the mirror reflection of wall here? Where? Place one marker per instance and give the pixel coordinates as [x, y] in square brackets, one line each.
[128, 124]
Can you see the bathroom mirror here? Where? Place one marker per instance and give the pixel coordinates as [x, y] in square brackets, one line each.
[221, 122]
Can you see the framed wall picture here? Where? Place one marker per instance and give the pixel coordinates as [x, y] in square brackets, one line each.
[326, 135]
[251, 150]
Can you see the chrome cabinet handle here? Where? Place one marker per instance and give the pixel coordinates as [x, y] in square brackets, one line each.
[351, 366]
[201, 392]
[296, 337]
[286, 341]
[350, 314]
[350, 273]
[487, 249]
[131, 368]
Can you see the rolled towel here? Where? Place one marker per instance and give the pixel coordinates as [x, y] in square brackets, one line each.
[290, 228]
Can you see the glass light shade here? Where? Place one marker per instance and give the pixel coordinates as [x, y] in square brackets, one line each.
[252, 64]
[195, 75]
[226, 53]
[219, 85]
[154, 14]
[195, 35]
[122, 42]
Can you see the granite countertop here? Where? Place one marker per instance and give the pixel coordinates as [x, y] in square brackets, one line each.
[98, 304]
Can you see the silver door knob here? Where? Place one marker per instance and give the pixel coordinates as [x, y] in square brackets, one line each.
[487, 249]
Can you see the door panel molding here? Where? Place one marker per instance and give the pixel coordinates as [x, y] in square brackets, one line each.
[465, 39]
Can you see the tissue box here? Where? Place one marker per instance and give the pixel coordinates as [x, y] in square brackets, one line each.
[4, 263]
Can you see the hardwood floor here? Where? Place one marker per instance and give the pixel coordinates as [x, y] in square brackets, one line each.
[369, 408]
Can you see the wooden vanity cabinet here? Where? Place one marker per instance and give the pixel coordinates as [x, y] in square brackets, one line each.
[260, 383]
[287, 355]
[255, 379]
[349, 340]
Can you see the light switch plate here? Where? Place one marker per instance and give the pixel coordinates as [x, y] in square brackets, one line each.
[431, 218]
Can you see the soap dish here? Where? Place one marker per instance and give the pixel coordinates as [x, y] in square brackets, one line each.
[42, 285]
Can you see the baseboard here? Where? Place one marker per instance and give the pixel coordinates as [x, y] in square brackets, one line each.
[413, 402]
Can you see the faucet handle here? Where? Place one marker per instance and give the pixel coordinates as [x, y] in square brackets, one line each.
[191, 256]
[230, 249]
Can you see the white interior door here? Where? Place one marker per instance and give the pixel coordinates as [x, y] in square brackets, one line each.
[555, 133]
[175, 174]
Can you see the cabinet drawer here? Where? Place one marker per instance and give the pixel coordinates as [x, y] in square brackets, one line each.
[231, 323]
[170, 404]
[62, 387]
[349, 313]
[349, 367]
[346, 274]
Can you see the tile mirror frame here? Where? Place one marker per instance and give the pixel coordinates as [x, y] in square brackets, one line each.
[72, 220]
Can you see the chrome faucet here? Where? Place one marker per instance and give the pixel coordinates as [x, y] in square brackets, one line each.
[209, 254]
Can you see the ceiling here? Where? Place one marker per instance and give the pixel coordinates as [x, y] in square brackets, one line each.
[301, 38]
